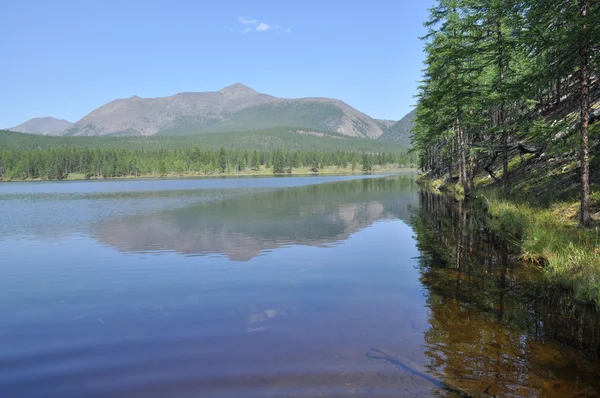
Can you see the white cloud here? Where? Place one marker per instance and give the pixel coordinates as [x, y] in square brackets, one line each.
[262, 27]
[245, 21]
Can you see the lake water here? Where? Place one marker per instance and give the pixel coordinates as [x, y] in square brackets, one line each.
[274, 287]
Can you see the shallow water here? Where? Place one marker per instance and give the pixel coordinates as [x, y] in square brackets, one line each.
[272, 287]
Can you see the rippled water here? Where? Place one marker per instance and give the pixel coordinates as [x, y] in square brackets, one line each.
[271, 287]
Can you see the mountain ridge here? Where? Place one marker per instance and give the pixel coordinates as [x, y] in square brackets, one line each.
[47, 125]
[234, 108]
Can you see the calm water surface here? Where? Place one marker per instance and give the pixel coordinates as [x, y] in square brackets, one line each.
[273, 287]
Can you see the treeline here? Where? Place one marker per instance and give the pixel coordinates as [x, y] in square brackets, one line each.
[507, 77]
[293, 139]
[56, 164]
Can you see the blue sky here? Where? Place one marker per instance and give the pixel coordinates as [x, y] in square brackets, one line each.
[64, 58]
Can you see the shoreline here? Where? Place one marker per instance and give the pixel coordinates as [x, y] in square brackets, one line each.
[301, 172]
[548, 237]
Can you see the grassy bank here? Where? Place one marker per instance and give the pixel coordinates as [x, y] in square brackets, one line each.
[546, 231]
[551, 238]
[440, 185]
[263, 172]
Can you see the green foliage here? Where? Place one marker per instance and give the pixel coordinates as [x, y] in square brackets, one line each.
[367, 163]
[506, 78]
[314, 161]
[496, 66]
[222, 159]
[278, 162]
[56, 164]
[256, 161]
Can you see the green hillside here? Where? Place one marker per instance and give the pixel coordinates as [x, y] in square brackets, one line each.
[309, 115]
[277, 138]
[401, 131]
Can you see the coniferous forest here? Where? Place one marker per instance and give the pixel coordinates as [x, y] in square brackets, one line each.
[59, 163]
[277, 151]
[509, 79]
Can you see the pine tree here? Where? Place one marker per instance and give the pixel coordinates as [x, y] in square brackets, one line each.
[278, 163]
[367, 163]
[255, 161]
[222, 160]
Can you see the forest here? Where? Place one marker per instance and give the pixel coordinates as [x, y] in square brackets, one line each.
[59, 163]
[28, 156]
[292, 139]
[512, 86]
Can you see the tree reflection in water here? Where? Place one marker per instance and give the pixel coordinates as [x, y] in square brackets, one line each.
[495, 325]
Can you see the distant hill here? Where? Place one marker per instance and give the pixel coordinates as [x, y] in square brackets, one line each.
[234, 108]
[43, 125]
[385, 124]
[401, 130]
[262, 140]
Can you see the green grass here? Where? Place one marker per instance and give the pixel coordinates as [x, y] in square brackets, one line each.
[551, 238]
[262, 172]
[440, 185]
[76, 176]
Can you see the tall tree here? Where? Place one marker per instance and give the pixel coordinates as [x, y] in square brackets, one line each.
[585, 36]
[569, 31]
[449, 86]
[222, 160]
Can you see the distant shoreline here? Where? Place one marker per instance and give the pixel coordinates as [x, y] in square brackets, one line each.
[266, 172]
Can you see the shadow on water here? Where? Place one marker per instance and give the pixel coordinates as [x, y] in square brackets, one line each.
[495, 326]
[242, 227]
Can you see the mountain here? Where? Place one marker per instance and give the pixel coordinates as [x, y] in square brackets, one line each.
[401, 130]
[385, 124]
[43, 125]
[234, 108]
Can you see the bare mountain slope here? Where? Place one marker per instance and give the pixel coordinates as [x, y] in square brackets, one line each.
[234, 108]
[43, 125]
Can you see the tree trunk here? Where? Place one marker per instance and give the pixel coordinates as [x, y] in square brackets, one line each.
[472, 165]
[502, 114]
[462, 157]
[584, 58]
[558, 95]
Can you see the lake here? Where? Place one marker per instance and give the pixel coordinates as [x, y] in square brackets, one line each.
[274, 287]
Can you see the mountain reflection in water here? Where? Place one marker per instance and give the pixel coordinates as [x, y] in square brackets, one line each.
[242, 227]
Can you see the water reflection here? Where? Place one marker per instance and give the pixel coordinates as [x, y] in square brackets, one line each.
[371, 316]
[493, 328]
[242, 227]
